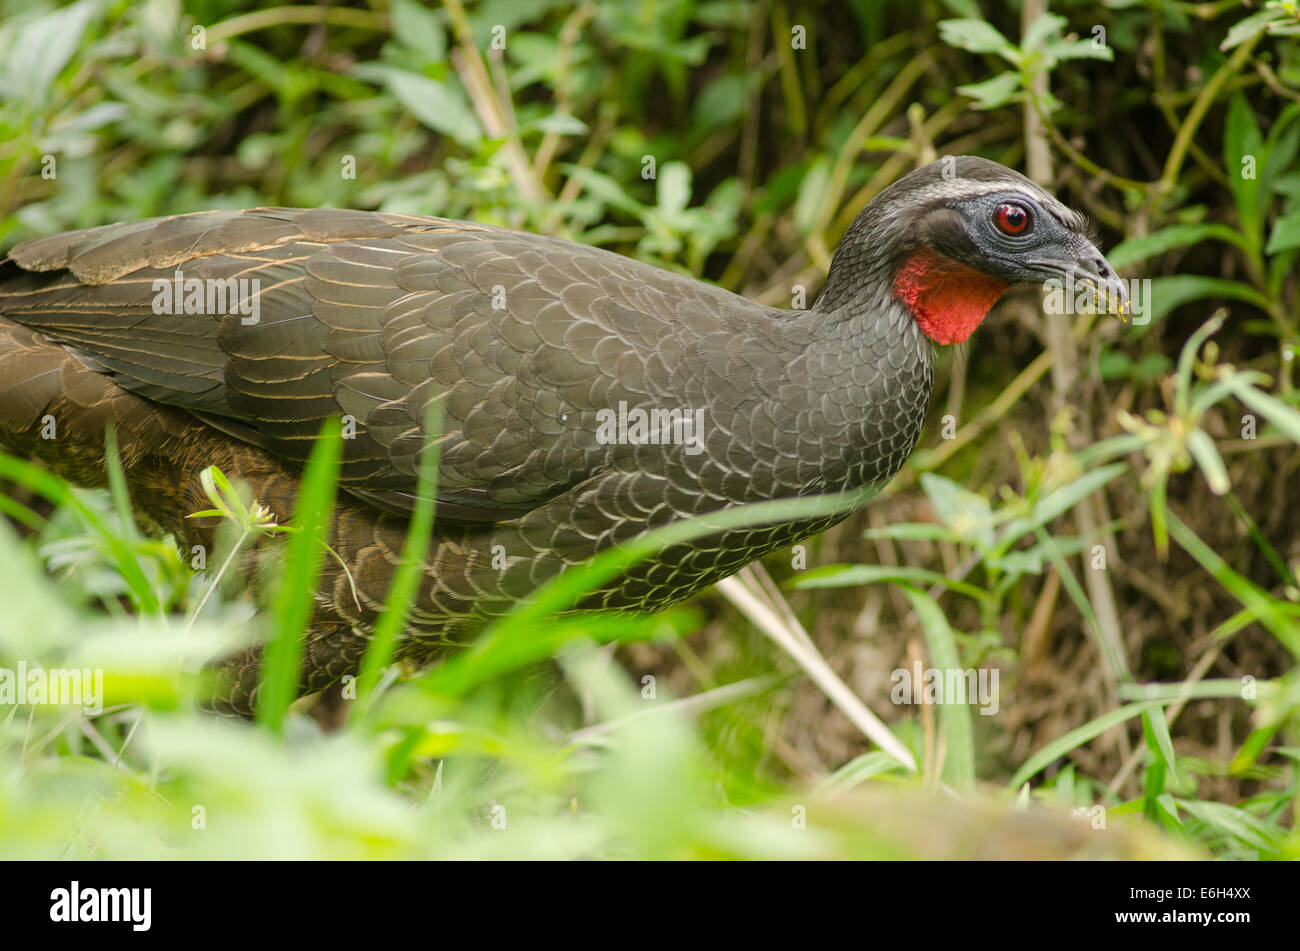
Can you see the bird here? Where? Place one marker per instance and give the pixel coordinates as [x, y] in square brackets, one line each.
[585, 397]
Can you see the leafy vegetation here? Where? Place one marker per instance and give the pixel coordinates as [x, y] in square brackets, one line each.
[1100, 511]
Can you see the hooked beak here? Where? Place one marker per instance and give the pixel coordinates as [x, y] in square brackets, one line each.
[1091, 269]
[1081, 269]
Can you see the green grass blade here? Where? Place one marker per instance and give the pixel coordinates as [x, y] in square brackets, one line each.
[143, 595]
[857, 771]
[1261, 541]
[294, 593]
[1235, 823]
[841, 576]
[401, 594]
[1284, 417]
[1256, 599]
[117, 485]
[959, 763]
[1116, 660]
[567, 588]
[15, 510]
[1075, 738]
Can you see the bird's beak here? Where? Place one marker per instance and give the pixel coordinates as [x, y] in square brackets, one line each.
[1091, 270]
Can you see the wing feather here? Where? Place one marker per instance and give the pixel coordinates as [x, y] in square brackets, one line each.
[373, 316]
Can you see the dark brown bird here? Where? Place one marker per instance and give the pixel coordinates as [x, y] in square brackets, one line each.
[542, 352]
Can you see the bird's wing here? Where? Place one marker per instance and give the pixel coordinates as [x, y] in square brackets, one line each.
[373, 316]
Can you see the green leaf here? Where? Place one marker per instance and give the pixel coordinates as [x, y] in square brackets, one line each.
[1187, 356]
[510, 647]
[43, 47]
[1045, 25]
[992, 92]
[1135, 250]
[955, 712]
[1242, 140]
[808, 207]
[1109, 448]
[286, 80]
[1154, 720]
[1280, 147]
[1168, 293]
[1247, 27]
[222, 493]
[978, 36]
[1166, 811]
[1284, 417]
[439, 106]
[1285, 235]
[88, 120]
[1078, 49]
[601, 186]
[910, 532]
[1115, 365]
[417, 27]
[1207, 457]
[1201, 690]
[964, 512]
[673, 188]
[722, 101]
[561, 124]
[1255, 745]
[1028, 561]
[845, 576]
[1061, 500]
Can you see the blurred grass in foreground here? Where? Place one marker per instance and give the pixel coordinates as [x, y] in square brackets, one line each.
[475, 757]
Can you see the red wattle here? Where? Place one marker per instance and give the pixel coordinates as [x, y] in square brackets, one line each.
[947, 298]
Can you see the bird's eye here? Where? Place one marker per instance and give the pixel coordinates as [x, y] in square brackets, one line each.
[1012, 219]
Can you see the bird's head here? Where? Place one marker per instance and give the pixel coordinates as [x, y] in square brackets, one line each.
[949, 239]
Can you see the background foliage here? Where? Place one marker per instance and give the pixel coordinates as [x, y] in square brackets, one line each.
[1162, 687]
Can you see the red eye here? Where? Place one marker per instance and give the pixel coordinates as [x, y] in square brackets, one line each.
[1011, 219]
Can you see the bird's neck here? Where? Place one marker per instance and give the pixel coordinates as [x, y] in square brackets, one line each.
[869, 369]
